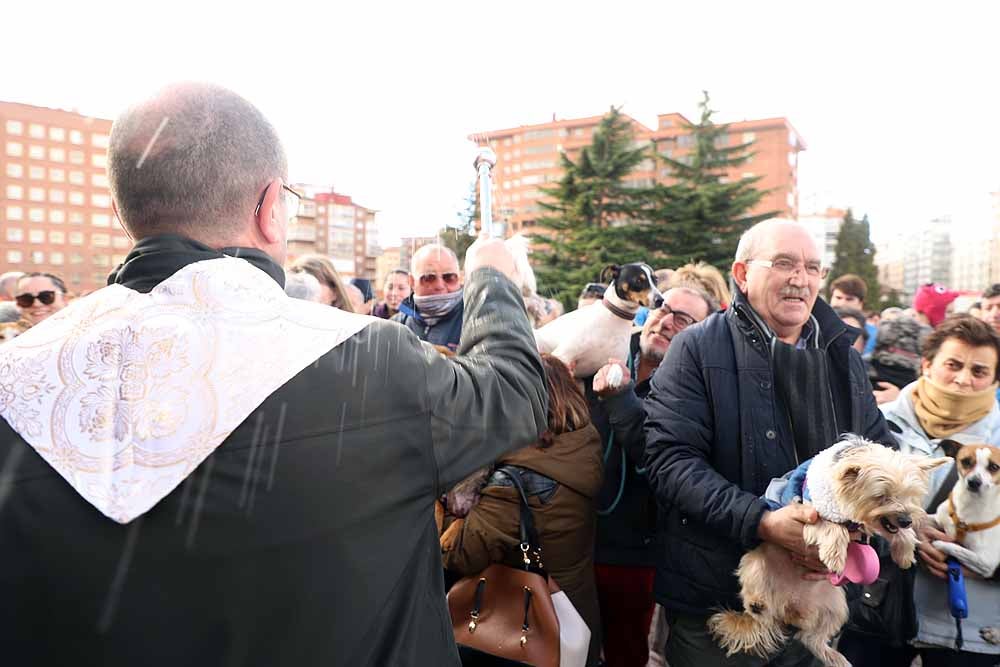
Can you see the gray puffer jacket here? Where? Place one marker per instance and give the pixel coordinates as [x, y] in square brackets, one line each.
[937, 627]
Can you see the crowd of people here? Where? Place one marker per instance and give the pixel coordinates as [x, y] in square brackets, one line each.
[282, 510]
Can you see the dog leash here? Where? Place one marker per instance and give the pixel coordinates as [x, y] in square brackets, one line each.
[624, 462]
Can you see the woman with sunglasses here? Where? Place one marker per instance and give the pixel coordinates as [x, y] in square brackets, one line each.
[39, 295]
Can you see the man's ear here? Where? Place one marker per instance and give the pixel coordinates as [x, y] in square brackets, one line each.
[269, 215]
[610, 272]
[739, 273]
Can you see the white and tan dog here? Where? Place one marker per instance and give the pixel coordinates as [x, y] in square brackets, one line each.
[586, 338]
[854, 481]
[971, 514]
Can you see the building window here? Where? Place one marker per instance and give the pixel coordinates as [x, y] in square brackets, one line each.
[36, 235]
[76, 137]
[102, 260]
[15, 234]
[15, 170]
[37, 257]
[100, 201]
[100, 219]
[76, 198]
[749, 137]
[36, 194]
[57, 215]
[120, 242]
[790, 198]
[36, 152]
[36, 215]
[99, 140]
[57, 237]
[57, 175]
[76, 177]
[100, 240]
[76, 258]
[99, 159]
[36, 131]
[57, 134]
[15, 192]
[15, 213]
[15, 256]
[56, 258]
[57, 154]
[15, 127]
[36, 173]
[792, 159]
[75, 218]
[76, 157]
[76, 238]
[99, 180]
[15, 149]
[57, 196]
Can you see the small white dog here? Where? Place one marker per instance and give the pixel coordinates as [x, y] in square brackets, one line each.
[586, 338]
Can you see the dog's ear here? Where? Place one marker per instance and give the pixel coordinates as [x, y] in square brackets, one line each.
[951, 447]
[610, 272]
[926, 464]
[849, 473]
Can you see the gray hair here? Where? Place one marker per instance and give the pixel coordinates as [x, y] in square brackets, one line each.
[428, 249]
[696, 290]
[302, 285]
[753, 238]
[192, 160]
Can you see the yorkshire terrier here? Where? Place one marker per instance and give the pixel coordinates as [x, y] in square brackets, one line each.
[853, 484]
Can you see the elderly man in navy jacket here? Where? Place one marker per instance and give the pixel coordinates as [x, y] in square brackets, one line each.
[742, 398]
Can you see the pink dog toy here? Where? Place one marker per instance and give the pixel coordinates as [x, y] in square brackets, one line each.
[861, 568]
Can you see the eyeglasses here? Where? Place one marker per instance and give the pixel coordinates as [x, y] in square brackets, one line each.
[27, 300]
[787, 267]
[431, 278]
[291, 199]
[681, 319]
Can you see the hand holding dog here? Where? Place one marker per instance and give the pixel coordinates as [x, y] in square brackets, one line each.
[934, 559]
[604, 379]
[783, 527]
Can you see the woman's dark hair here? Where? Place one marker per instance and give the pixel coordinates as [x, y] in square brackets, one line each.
[568, 409]
[970, 330]
[56, 280]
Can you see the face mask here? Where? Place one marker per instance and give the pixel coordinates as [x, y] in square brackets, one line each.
[434, 308]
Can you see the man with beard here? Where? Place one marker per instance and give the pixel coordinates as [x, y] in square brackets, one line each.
[434, 311]
[740, 399]
[626, 549]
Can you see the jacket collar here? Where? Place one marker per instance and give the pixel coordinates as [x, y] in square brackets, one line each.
[830, 326]
[155, 258]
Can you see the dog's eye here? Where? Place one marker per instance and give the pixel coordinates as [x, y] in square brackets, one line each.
[967, 462]
[992, 467]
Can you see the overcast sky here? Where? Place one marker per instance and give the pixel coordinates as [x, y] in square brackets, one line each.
[899, 103]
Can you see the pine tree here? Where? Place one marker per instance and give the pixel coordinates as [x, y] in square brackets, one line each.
[591, 212]
[702, 214]
[856, 254]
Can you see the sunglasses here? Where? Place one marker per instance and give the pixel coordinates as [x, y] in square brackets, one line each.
[26, 300]
[431, 278]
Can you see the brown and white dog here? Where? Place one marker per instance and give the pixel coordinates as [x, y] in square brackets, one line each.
[586, 338]
[971, 514]
[865, 483]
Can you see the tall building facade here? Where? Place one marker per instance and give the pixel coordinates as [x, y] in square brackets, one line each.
[528, 159]
[825, 227]
[927, 255]
[55, 205]
[332, 224]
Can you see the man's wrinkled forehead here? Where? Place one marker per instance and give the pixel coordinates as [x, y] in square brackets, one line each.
[435, 260]
[791, 243]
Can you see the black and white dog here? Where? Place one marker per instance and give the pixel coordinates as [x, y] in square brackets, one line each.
[586, 338]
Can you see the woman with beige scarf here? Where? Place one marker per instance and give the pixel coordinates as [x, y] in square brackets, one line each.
[954, 397]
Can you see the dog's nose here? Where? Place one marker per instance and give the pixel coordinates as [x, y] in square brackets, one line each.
[657, 301]
[904, 520]
[974, 483]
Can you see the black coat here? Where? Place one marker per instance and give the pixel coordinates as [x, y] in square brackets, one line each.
[716, 434]
[447, 332]
[322, 550]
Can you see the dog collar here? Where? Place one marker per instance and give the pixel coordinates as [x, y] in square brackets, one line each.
[624, 314]
[962, 528]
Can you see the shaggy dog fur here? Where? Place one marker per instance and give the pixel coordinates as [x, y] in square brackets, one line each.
[876, 487]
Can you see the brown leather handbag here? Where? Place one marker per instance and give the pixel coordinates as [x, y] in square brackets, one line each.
[504, 615]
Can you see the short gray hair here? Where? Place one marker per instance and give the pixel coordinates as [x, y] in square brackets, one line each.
[192, 160]
[696, 290]
[302, 285]
[753, 238]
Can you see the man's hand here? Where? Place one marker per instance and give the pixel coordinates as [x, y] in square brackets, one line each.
[934, 560]
[493, 253]
[604, 384]
[885, 393]
[784, 528]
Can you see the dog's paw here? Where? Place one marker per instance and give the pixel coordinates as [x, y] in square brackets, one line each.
[990, 635]
[450, 535]
[615, 376]
[949, 548]
[833, 557]
[902, 548]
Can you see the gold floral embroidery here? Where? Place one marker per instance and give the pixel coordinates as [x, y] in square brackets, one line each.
[23, 385]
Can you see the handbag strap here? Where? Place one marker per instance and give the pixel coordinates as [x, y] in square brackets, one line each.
[529, 536]
[944, 489]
